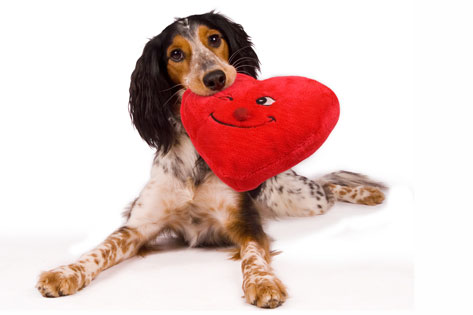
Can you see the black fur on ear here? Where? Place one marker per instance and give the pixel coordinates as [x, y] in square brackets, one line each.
[242, 55]
[153, 95]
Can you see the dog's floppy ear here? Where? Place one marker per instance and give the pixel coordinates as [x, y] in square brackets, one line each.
[152, 97]
[242, 55]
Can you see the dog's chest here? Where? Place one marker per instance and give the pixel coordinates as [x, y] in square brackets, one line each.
[206, 211]
[198, 204]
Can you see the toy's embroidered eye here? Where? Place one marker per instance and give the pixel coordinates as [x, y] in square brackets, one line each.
[265, 100]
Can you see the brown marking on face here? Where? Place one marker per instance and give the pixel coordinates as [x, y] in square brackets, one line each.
[178, 70]
[205, 33]
[219, 62]
[200, 57]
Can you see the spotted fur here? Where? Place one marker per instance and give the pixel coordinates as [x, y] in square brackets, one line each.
[69, 279]
[183, 197]
[261, 287]
[289, 194]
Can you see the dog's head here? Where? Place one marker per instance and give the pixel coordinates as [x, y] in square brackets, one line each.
[200, 52]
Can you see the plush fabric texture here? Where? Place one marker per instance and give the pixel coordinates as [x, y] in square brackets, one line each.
[254, 129]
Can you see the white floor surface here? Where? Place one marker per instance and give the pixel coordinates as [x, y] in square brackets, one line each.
[352, 258]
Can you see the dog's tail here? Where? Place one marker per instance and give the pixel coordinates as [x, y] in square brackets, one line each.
[344, 178]
[353, 187]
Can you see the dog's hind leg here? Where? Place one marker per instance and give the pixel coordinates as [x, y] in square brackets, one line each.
[290, 194]
[354, 188]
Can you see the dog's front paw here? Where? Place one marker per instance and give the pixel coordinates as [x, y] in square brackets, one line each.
[265, 292]
[58, 282]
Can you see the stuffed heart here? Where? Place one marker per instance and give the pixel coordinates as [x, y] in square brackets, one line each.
[254, 130]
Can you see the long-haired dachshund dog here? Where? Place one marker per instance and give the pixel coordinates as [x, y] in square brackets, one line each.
[183, 197]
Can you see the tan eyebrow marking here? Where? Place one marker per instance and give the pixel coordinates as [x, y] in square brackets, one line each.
[178, 70]
[221, 51]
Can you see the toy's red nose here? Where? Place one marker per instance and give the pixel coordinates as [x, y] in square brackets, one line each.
[240, 114]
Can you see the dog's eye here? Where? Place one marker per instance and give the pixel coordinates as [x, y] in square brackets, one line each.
[177, 55]
[215, 40]
[265, 100]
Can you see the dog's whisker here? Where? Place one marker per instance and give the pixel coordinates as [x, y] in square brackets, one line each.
[172, 87]
[241, 66]
[241, 59]
[244, 47]
[170, 98]
[244, 72]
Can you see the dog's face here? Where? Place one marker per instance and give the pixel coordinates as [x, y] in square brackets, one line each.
[202, 53]
[197, 58]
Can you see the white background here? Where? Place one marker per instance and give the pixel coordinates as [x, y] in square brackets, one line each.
[71, 159]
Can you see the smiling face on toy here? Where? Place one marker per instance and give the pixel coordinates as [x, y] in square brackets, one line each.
[256, 129]
[245, 116]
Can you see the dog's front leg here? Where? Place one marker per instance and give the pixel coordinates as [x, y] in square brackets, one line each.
[145, 222]
[68, 279]
[260, 285]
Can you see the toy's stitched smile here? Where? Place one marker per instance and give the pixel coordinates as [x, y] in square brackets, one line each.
[271, 119]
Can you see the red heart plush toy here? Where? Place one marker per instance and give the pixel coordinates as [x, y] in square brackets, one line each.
[254, 130]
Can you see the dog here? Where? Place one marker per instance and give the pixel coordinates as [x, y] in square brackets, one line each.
[183, 197]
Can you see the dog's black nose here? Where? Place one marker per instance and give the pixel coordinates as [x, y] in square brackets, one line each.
[215, 80]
